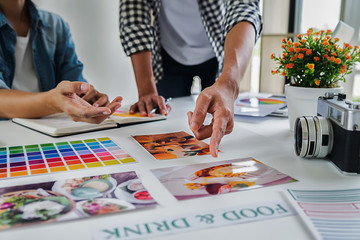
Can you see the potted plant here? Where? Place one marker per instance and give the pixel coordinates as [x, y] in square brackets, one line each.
[315, 65]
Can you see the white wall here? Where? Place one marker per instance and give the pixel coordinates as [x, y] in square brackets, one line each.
[95, 31]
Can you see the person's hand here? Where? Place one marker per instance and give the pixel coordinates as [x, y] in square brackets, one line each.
[217, 100]
[149, 102]
[95, 98]
[66, 97]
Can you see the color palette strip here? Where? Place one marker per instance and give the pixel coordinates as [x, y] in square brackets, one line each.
[16, 161]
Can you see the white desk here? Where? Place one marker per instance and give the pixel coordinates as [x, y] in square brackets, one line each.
[268, 140]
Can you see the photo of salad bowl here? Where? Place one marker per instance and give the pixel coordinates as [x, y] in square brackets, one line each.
[32, 206]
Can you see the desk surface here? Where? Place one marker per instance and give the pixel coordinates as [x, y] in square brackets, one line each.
[269, 140]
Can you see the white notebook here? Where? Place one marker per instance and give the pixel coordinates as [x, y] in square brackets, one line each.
[60, 124]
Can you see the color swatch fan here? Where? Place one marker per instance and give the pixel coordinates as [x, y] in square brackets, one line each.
[258, 104]
[16, 161]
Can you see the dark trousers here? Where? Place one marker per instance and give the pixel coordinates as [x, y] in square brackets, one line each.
[178, 78]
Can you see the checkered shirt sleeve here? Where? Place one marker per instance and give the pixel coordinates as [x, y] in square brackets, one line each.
[136, 33]
[239, 11]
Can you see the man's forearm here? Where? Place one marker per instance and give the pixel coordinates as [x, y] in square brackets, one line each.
[238, 47]
[143, 72]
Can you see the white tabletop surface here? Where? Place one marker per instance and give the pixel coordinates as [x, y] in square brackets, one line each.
[268, 140]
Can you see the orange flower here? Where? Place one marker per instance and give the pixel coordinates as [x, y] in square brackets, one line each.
[283, 73]
[336, 39]
[316, 59]
[332, 59]
[291, 49]
[284, 40]
[356, 47]
[311, 66]
[326, 43]
[272, 56]
[346, 45]
[317, 82]
[299, 35]
[301, 56]
[338, 61]
[296, 44]
[297, 50]
[304, 49]
[292, 59]
[290, 65]
[289, 42]
[326, 49]
[328, 31]
[308, 52]
[303, 40]
[322, 31]
[309, 31]
[316, 39]
[348, 57]
[342, 71]
[334, 54]
[325, 55]
[283, 46]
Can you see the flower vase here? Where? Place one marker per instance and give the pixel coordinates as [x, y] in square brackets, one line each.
[302, 101]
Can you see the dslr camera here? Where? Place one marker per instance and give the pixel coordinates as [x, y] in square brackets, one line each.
[334, 133]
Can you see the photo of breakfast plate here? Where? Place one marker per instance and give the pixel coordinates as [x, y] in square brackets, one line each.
[86, 187]
[133, 191]
[32, 206]
[71, 199]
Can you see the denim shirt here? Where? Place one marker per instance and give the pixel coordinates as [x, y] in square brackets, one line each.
[54, 54]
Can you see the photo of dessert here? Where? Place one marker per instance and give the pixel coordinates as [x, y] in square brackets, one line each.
[213, 178]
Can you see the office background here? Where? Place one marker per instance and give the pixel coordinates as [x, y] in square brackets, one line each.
[94, 27]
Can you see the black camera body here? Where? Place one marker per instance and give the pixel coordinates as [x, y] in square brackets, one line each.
[334, 133]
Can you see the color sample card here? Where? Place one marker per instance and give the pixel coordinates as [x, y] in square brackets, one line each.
[16, 161]
[329, 214]
[258, 104]
[70, 199]
[213, 178]
[172, 145]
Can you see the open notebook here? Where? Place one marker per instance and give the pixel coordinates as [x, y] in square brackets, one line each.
[60, 124]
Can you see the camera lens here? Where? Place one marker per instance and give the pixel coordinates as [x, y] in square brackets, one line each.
[313, 137]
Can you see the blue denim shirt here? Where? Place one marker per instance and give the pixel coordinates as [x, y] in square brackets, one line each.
[54, 54]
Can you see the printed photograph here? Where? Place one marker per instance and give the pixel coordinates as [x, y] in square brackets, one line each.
[213, 178]
[72, 199]
[172, 145]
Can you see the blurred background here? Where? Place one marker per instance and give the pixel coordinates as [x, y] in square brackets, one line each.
[95, 30]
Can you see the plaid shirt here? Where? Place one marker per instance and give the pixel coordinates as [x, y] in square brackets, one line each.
[139, 25]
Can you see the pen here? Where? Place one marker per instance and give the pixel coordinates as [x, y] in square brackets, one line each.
[154, 109]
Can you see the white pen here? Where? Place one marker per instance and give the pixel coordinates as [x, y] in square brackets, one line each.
[154, 109]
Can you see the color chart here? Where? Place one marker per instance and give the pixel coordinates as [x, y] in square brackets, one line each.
[16, 161]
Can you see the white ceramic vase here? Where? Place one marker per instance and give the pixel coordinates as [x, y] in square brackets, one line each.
[302, 101]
